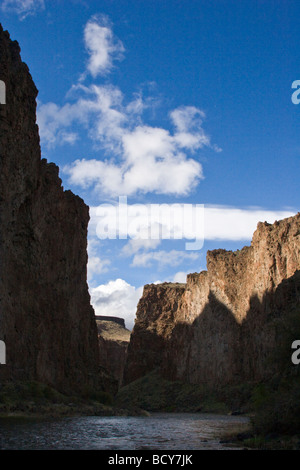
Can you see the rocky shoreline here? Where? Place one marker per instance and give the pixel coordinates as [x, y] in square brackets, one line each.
[31, 410]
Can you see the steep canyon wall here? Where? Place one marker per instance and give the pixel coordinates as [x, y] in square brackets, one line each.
[222, 325]
[46, 319]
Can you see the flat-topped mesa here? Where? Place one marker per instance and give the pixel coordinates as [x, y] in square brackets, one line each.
[46, 319]
[118, 320]
[218, 327]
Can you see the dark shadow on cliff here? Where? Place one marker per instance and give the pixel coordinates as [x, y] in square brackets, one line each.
[276, 398]
[268, 330]
[205, 351]
[148, 344]
[216, 349]
[214, 336]
[218, 353]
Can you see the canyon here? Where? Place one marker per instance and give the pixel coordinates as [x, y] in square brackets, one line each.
[219, 328]
[224, 325]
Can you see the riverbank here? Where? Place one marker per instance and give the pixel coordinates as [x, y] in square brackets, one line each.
[60, 410]
[156, 394]
[272, 441]
[35, 400]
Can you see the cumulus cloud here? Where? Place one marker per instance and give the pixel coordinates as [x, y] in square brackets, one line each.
[180, 277]
[96, 108]
[116, 298]
[188, 122]
[142, 158]
[103, 47]
[96, 264]
[152, 160]
[137, 245]
[163, 258]
[23, 8]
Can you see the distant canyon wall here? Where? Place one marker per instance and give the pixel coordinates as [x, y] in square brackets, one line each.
[113, 340]
[220, 327]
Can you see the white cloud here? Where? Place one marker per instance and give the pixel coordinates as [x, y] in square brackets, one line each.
[148, 159]
[51, 119]
[23, 8]
[69, 137]
[96, 265]
[116, 298]
[188, 122]
[148, 221]
[101, 45]
[95, 108]
[163, 258]
[142, 158]
[143, 224]
[230, 223]
[134, 246]
[151, 159]
[181, 276]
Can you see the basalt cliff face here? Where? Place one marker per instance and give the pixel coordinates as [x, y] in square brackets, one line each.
[222, 325]
[113, 340]
[46, 319]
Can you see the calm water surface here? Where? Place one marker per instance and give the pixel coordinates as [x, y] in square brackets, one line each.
[160, 431]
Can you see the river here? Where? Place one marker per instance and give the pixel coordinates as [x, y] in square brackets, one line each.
[160, 431]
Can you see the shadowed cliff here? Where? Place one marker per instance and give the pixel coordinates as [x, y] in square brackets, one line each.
[46, 319]
[113, 340]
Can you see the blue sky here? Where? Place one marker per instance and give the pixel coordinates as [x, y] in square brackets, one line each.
[174, 102]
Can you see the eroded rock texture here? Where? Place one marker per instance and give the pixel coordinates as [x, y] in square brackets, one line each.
[113, 340]
[46, 319]
[222, 325]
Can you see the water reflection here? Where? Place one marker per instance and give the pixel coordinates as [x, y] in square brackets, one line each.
[160, 431]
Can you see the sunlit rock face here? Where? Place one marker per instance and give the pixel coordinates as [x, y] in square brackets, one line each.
[222, 325]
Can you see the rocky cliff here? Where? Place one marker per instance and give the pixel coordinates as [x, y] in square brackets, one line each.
[223, 325]
[46, 319]
[113, 340]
